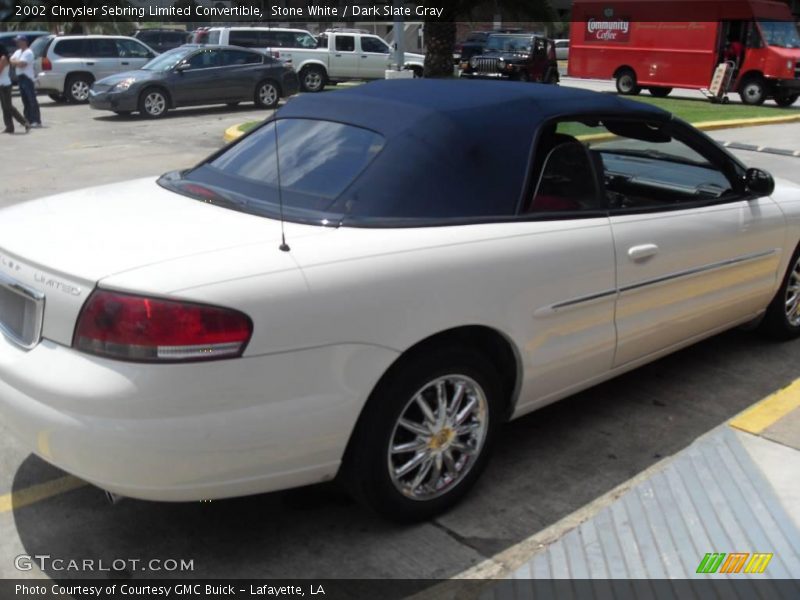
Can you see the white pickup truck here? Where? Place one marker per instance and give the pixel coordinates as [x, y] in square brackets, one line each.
[340, 56]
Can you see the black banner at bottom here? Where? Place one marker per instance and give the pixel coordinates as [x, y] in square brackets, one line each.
[347, 589]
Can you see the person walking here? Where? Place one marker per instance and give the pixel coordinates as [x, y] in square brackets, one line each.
[22, 61]
[10, 112]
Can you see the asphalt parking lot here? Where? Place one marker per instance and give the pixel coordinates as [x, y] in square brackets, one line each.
[547, 464]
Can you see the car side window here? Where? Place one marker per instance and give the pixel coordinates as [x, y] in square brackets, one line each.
[345, 43]
[103, 48]
[245, 39]
[131, 49]
[304, 40]
[370, 44]
[71, 48]
[205, 59]
[565, 181]
[643, 165]
[240, 57]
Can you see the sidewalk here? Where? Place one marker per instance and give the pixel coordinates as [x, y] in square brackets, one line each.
[736, 490]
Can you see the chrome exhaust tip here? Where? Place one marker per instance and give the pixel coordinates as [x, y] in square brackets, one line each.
[113, 498]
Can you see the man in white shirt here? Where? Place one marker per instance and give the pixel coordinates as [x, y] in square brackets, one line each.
[22, 61]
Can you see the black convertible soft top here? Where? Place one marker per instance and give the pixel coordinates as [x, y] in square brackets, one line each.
[450, 142]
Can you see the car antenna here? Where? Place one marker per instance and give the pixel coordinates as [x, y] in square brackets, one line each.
[284, 247]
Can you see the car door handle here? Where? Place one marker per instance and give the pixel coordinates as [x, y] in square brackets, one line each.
[338, 55]
[364, 56]
[90, 64]
[642, 252]
[126, 63]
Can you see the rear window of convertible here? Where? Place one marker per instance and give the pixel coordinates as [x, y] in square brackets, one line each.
[318, 161]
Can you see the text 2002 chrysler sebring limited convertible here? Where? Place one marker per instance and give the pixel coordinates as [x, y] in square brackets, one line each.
[458, 256]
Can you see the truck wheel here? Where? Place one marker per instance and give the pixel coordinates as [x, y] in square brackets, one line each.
[77, 87]
[659, 92]
[786, 100]
[626, 83]
[753, 91]
[313, 79]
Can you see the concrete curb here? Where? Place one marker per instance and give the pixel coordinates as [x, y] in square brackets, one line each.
[234, 133]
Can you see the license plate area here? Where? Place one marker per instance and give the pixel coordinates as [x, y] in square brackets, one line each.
[21, 313]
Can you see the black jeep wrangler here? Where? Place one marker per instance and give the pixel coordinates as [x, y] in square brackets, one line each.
[516, 56]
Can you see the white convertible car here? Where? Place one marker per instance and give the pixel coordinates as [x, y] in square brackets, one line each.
[456, 254]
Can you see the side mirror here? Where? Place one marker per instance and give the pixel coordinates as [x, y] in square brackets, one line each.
[185, 66]
[759, 182]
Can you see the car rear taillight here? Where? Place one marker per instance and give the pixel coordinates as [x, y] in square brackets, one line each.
[46, 64]
[139, 328]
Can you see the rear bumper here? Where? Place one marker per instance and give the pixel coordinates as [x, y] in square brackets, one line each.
[190, 431]
[50, 82]
[290, 84]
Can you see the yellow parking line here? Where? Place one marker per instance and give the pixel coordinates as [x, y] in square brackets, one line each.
[39, 492]
[772, 408]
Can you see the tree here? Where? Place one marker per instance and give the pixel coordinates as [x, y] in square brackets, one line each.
[440, 32]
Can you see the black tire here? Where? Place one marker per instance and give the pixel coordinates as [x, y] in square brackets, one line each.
[660, 92]
[313, 79]
[786, 100]
[76, 88]
[418, 72]
[267, 94]
[627, 84]
[523, 77]
[153, 103]
[776, 322]
[366, 469]
[60, 98]
[753, 91]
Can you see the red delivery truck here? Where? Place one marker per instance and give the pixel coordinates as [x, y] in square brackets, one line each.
[660, 45]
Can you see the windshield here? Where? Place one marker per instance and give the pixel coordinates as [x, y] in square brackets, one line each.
[509, 43]
[780, 33]
[318, 161]
[166, 61]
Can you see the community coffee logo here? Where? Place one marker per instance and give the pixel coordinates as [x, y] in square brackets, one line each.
[608, 30]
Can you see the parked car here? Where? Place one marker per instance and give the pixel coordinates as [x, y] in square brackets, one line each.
[67, 66]
[422, 261]
[7, 40]
[193, 75]
[262, 38]
[162, 40]
[517, 56]
[562, 49]
[475, 43]
[344, 55]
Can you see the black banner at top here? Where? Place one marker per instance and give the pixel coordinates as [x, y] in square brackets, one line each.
[220, 11]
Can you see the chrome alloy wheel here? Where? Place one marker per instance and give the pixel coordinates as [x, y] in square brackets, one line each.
[438, 437]
[79, 90]
[155, 103]
[792, 299]
[268, 94]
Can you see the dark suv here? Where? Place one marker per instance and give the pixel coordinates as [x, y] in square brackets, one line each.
[516, 56]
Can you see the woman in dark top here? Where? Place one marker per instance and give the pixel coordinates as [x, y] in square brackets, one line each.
[9, 111]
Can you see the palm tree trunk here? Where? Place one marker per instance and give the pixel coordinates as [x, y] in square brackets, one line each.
[440, 38]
